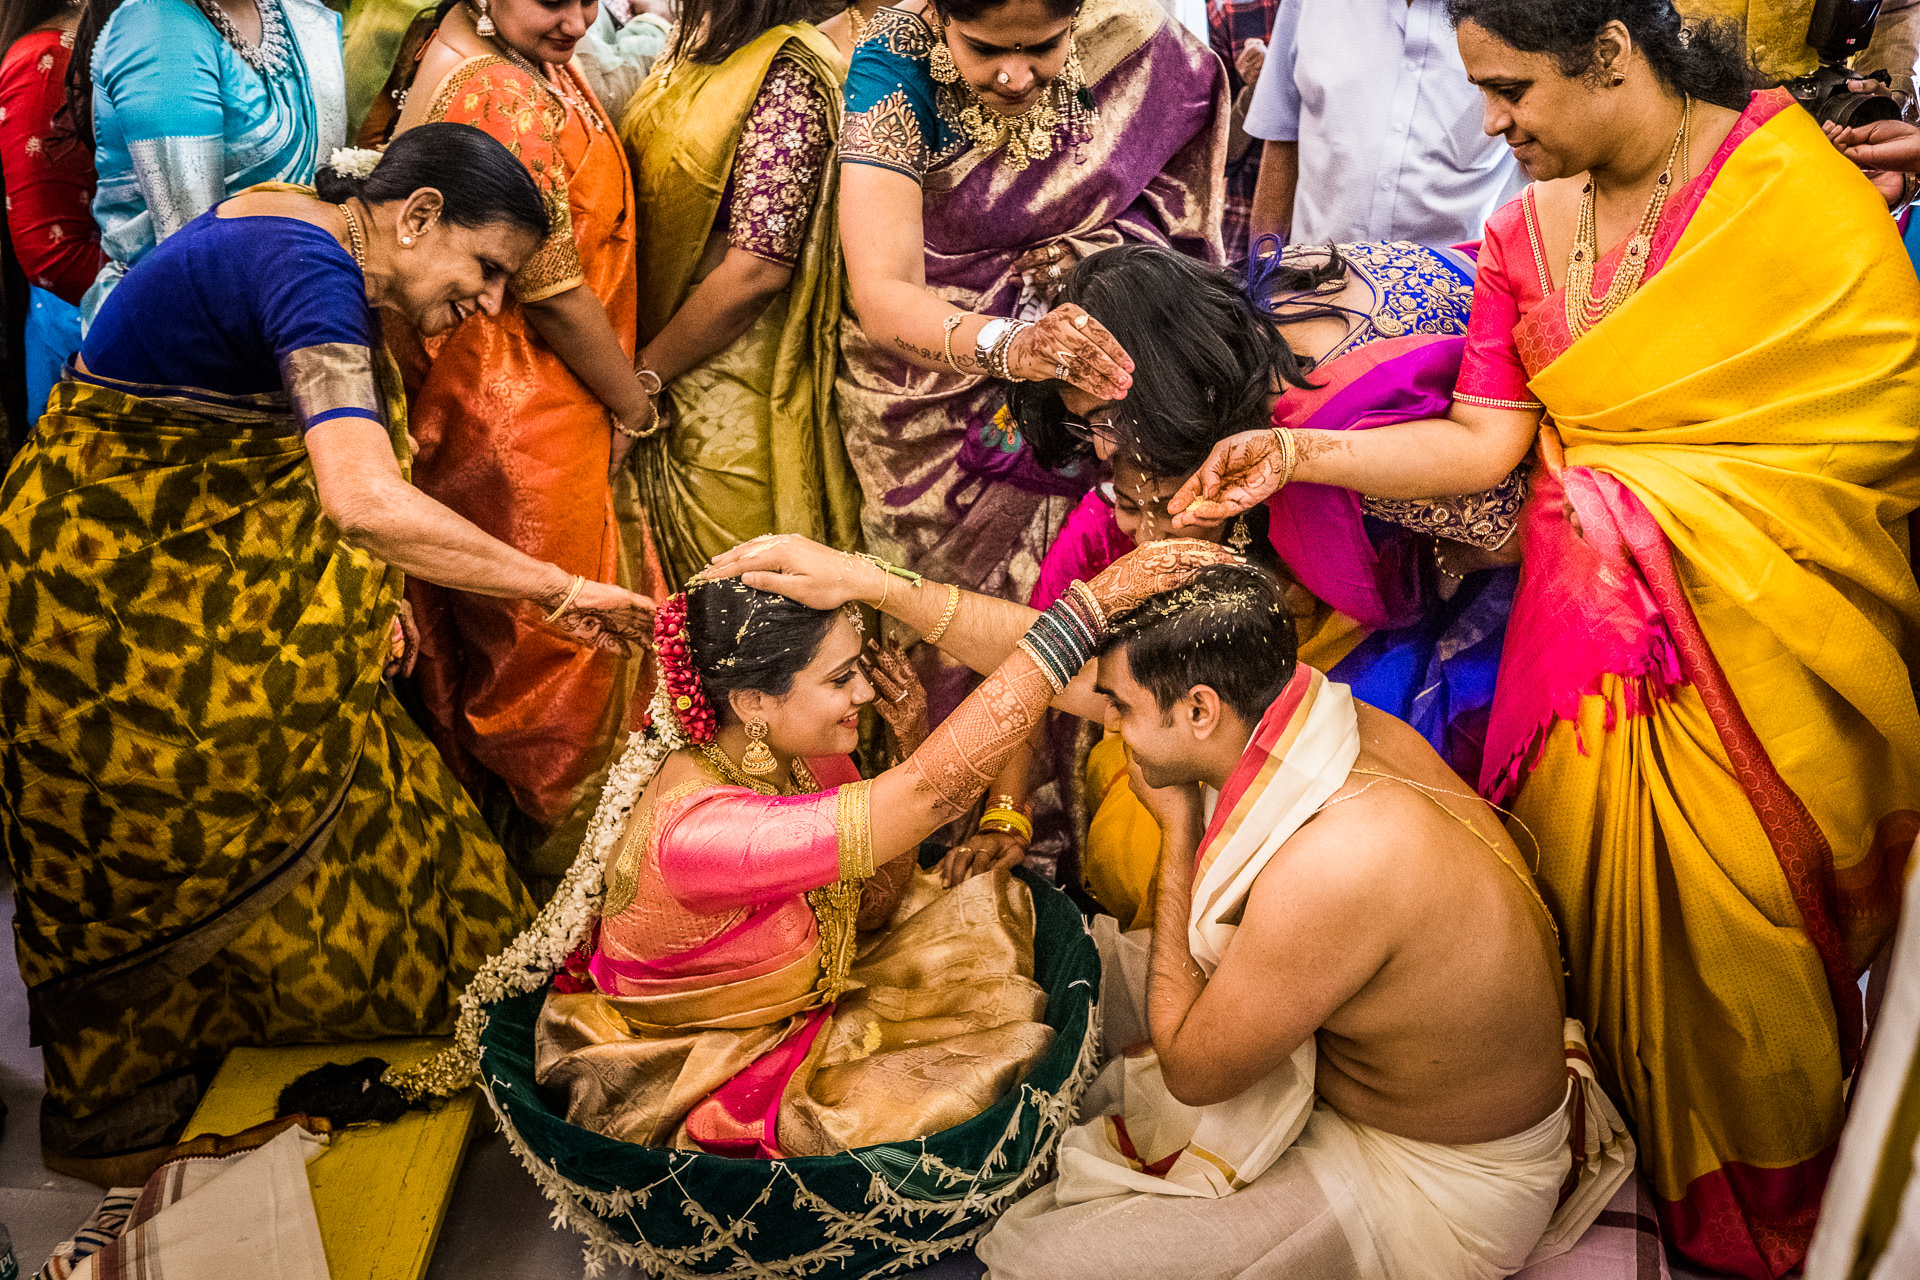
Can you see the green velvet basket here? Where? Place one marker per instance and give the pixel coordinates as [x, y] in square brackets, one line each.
[871, 1211]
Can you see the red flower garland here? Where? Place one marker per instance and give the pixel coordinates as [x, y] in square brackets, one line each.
[684, 694]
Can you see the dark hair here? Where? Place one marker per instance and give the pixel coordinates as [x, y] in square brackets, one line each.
[1704, 59]
[1228, 627]
[711, 31]
[478, 178]
[745, 641]
[21, 16]
[970, 10]
[1206, 357]
[93, 17]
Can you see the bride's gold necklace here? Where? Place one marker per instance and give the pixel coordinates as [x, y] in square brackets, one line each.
[804, 783]
[858, 22]
[1584, 311]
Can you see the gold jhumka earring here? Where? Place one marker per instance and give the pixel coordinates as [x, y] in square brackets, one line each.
[483, 24]
[1239, 540]
[759, 758]
[940, 62]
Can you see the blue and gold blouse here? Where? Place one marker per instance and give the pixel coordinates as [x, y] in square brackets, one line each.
[893, 117]
[243, 308]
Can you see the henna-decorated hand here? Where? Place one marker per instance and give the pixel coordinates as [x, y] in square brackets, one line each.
[1149, 570]
[1242, 472]
[902, 700]
[608, 617]
[1046, 268]
[801, 570]
[1068, 345]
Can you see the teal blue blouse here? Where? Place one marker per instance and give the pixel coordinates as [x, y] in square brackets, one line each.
[184, 117]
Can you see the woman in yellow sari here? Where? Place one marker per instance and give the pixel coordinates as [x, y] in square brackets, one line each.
[1704, 714]
[732, 142]
[523, 418]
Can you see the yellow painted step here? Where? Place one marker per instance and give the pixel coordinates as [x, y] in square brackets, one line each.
[380, 1191]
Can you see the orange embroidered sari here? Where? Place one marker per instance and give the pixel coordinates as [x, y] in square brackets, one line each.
[516, 443]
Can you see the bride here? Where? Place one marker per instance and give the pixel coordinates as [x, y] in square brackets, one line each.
[728, 1000]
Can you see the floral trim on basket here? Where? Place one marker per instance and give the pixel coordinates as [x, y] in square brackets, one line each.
[585, 1210]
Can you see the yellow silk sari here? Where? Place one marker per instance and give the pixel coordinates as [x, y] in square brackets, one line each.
[1723, 852]
[755, 445]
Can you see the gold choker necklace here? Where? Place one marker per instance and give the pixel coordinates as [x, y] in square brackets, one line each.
[1029, 136]
[723, 767]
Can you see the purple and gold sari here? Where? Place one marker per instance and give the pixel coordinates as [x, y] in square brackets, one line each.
[949, 489]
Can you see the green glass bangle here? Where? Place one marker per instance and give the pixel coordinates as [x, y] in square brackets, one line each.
[893, 569]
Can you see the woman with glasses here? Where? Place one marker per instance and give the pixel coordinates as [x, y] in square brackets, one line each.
[988, 145]
[1347, 339]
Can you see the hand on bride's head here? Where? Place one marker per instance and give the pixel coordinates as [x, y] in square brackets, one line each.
[799, 569]
[1151, 569]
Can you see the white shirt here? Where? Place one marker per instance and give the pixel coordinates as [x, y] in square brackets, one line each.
[1389, 126]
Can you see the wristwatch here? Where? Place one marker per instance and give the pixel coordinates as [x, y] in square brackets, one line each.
[989, 334]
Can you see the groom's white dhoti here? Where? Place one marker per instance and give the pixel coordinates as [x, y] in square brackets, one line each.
[1275, 1182]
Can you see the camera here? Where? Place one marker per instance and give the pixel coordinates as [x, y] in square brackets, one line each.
[1840, 29]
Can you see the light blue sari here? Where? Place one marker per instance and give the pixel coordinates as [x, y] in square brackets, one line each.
[182, 120]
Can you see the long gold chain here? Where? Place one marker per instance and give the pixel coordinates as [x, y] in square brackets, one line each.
[356, 238]
[1434, 794]
[1584, 311]
[858, 22]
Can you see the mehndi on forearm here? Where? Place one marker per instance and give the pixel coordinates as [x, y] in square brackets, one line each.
[962, 757]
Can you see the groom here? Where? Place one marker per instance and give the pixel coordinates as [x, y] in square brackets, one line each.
[1353, 994]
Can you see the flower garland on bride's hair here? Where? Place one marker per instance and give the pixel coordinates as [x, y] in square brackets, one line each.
[677, 716]
[686, 696]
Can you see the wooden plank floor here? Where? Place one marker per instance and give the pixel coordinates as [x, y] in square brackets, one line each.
[380, 1192]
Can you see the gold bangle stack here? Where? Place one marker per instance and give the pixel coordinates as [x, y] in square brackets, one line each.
[946, 617]
[1289, 455]
[999, 820]
[573, 592]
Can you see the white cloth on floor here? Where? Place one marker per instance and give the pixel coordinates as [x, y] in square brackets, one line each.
[243, 1215]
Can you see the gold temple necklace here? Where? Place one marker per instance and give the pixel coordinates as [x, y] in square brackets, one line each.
[1584, 311]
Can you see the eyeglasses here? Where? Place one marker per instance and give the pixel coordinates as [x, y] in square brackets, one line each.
[1091, 429]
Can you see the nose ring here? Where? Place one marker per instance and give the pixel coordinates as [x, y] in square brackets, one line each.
[1005, 78]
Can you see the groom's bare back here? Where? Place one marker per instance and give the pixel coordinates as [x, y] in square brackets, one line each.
[1426, 963]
